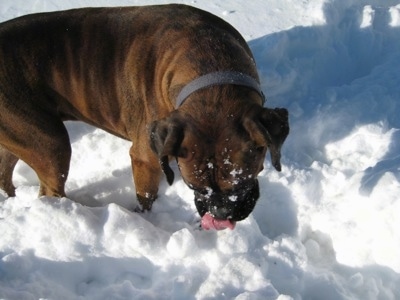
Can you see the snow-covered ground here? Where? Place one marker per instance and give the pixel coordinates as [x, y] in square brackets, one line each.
[326, 227]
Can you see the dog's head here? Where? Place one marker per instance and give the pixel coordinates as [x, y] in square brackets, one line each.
[221, 165]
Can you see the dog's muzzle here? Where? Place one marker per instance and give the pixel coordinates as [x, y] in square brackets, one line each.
[234, 205]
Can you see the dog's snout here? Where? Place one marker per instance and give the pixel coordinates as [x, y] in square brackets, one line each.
[221, 213]
[234, 205]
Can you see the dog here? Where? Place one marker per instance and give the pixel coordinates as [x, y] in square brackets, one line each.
[176, 81]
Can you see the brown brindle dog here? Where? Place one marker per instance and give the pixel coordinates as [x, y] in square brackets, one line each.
[143, 74]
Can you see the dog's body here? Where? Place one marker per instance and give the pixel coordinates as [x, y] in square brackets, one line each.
[121, 69]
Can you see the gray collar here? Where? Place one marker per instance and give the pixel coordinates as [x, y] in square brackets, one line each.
[218, 78]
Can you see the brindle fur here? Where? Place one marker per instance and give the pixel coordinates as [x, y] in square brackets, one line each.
[120, 69]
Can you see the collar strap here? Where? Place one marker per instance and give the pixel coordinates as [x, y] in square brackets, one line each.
[219, 78]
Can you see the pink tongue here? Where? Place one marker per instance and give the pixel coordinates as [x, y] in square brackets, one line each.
[209, 222]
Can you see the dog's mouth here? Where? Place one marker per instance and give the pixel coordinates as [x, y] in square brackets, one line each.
[209, 222]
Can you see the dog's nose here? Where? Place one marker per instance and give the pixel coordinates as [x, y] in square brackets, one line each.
[221, 213]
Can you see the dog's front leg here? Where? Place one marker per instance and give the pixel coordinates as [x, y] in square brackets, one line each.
[146, 175]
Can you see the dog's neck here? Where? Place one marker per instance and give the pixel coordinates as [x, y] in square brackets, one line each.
[218, 78]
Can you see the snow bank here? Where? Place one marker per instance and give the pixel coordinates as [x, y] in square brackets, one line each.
[326, 227]
[341, 84]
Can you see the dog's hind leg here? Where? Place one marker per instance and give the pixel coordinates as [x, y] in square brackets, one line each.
[7, 164]
[41, 140]
[50, 158]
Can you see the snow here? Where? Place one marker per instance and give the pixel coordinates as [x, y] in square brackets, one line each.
[326, 227]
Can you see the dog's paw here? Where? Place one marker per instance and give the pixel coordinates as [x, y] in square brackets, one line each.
[139, 209]
[145, 202]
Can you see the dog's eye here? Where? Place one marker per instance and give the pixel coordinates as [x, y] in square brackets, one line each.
[254, 148]
[260, 148]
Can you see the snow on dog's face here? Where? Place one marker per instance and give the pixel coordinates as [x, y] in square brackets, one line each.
[221, 165]
[223, 178]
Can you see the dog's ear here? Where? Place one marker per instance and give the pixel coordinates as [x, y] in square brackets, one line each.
[269, 128]
[166, 136]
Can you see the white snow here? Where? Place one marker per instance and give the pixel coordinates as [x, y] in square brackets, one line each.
[326, 227]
